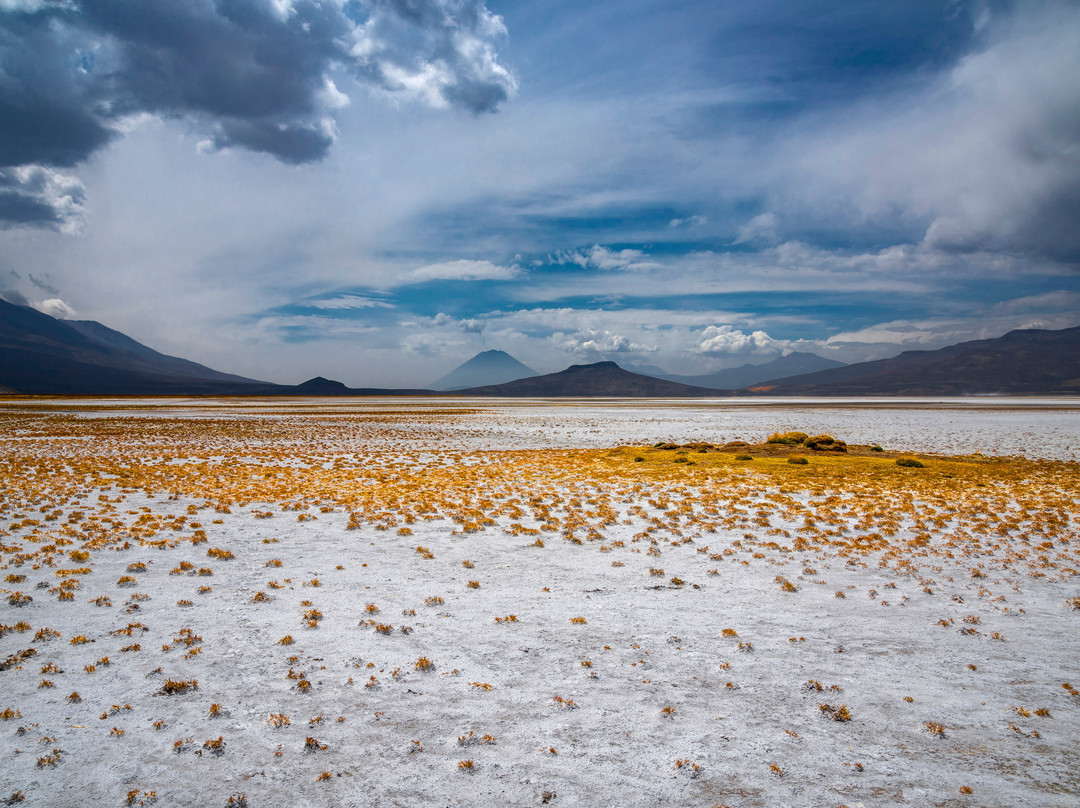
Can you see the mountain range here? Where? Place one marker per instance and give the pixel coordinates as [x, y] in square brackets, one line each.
[1025, 362]
[40, 355]
[792, 364]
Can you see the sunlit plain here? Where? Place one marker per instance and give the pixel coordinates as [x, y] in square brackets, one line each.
[379, 604]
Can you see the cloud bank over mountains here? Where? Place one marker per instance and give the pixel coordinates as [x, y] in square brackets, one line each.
[690, 185]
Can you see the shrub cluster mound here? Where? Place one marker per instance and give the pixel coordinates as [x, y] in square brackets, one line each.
[818, 443]
[788, 438]
[909, 462]
[792, 445]
[702, 448]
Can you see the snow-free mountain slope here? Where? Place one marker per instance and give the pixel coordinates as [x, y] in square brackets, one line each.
[793, 364]
[1029, 362]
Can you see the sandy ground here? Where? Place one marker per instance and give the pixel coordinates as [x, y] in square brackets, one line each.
[683, 629]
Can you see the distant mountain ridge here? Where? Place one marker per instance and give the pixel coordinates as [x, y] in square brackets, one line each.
[487, 367]
[1023, 362]
[601, 379]
[180, 367]
[44, 356]
[40, 355]
[793, 364]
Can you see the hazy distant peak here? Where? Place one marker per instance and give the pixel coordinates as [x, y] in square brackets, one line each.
[486, 368]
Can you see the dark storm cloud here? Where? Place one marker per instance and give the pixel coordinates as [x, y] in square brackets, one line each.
[254, 74]
[47, 104]
[294, 143]
[257, 75]
[39, 196]
[18, 208]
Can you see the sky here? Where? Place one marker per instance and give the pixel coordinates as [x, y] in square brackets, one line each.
[375, 190]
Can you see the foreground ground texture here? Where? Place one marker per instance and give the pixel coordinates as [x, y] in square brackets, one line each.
[275, 606]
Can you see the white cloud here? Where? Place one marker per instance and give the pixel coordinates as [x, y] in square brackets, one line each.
[440, 52]
[598, 257]
[618, 320]
[464, 270]
[792, 266]
[55, 307]
[983, 156]
[425, 84]
[592, 341]
[725, 340]
[274, 328]
[895, 332]
[470, 325]
[330, 97]
[30, 6]
[690, 221]
[1059, 301]
[345, 302]
[603, 258]
[762, 228]
[1052, 311]
[426, 344]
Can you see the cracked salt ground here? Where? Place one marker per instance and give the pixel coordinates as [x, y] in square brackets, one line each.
[918, 598]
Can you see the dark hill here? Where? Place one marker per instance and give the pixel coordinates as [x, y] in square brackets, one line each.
[321, 387]
[1027, 362]
[600, 379]
[486, 368]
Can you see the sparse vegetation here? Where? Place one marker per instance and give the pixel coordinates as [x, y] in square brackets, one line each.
[909, 463]
[423, 664]
[973, 541]
[835, 713]
[173, 687]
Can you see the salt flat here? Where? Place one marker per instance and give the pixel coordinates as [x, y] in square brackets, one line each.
[681, 629]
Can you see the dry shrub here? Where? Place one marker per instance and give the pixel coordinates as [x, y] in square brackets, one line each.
[787, 438]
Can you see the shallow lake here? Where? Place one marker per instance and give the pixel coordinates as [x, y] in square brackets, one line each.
[1032, 427]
